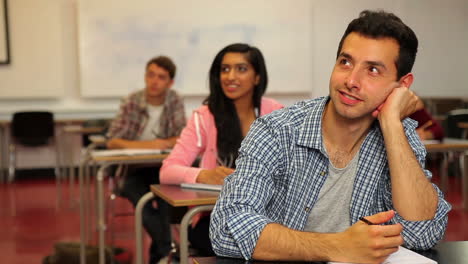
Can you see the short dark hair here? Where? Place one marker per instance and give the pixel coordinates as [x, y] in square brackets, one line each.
[226, 120]
[165, 63]
[381, 24]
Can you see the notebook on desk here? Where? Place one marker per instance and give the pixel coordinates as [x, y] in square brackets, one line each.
[403, 256]
[127, 152]
[202, 186]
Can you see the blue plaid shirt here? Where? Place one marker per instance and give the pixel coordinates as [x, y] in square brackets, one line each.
[281, 168]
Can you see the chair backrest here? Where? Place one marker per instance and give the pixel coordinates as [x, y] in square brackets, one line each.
[104, 123]
[453, 118]
[442, 106]
[32, 128]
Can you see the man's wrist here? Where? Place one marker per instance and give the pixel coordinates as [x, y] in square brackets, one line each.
[390, 122]
[333, 244]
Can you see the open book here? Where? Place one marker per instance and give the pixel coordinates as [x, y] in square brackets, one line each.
[202, 186]
[404, 256]
[127, 152]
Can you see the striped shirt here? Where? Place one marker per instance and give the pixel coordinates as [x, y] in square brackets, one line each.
[281, 169]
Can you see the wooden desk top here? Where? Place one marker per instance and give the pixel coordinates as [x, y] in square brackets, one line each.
[177, 196]
[463, 125]
[83, 130]
[57, 121]
[447, 145]
[132, 158]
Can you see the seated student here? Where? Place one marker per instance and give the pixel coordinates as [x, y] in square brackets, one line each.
[306, 174]
[150, 118]
[238, 79]
[427, 128]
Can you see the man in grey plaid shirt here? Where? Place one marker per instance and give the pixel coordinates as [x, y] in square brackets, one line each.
[150, 118]
[338, 178]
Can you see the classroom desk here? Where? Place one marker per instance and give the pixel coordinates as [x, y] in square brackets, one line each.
[103, 163]
[464, 126]
[455, 252]
[455, 146]
[69, 156]
[176, 196]
[83, 130]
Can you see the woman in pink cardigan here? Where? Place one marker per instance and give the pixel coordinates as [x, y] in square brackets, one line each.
[238, 79]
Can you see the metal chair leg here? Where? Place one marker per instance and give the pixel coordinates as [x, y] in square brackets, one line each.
[111, 224]
[12, 163]
[58, 176]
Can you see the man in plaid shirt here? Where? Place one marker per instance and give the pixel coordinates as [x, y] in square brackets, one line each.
[150, 118]
[337, 178]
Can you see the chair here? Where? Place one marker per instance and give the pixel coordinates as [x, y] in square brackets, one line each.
[32, 129]
[454, 163]
[97, 127]
[442, 106]
[453, 118]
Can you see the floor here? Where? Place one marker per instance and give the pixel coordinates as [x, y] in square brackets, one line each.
[33, 219]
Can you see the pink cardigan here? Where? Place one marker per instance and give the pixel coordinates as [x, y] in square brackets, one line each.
[199, 136]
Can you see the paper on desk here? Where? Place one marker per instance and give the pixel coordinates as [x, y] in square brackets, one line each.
[202, 186]
[403, 256]
[97, 138]
[126, 152]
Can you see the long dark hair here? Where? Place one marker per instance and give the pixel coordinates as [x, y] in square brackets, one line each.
[223, 109]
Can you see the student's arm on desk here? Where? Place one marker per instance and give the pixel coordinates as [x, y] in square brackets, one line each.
[119, 143]
[361, 243]
[239, 214]
[177, 168]
[420, 205]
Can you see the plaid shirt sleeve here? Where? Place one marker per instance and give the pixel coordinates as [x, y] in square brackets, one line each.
[173, 117]
[121, 126]
[239, 215]
[178, 120]
[420, 235]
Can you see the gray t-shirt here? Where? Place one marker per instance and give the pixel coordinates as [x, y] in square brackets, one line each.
[330, 213]
[152, 125]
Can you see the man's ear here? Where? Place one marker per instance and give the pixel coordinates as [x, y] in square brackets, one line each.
[407, 80]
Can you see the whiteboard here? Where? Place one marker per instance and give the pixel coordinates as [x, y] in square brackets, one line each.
[117, 38]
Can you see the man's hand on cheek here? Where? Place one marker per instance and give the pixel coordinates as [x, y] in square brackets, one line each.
[400, 103]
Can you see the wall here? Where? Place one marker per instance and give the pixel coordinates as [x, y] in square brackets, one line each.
[45, 75]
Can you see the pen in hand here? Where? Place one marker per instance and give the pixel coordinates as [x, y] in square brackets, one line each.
[363, 219]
